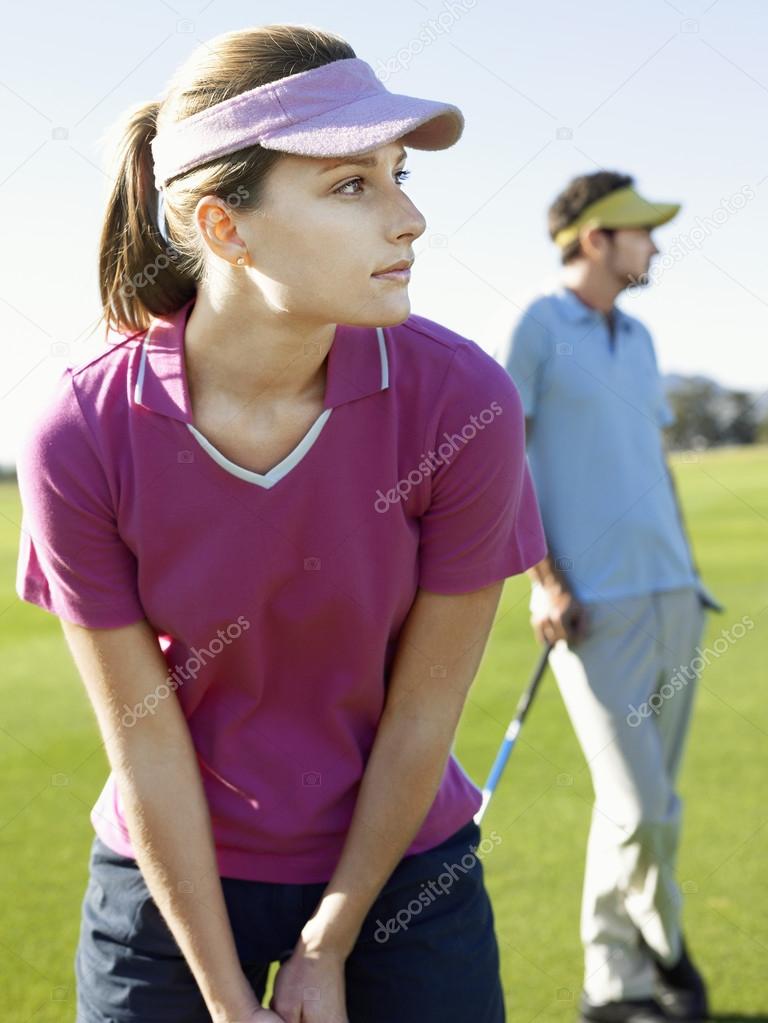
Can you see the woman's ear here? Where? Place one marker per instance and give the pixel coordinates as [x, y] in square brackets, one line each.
[218, 230]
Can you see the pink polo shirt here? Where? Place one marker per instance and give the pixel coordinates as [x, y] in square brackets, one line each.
[277, 599]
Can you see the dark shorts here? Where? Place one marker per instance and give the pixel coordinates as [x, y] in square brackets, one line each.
[426, 951]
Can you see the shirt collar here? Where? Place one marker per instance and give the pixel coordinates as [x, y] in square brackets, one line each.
[576, 311]
[357, 366]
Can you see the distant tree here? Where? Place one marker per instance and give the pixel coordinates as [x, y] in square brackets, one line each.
[742, 425]
[697, 422]
[708, 414]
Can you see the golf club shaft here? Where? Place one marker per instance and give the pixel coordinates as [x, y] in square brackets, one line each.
[510, 738]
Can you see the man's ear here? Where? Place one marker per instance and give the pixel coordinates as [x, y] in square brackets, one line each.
[594, 242]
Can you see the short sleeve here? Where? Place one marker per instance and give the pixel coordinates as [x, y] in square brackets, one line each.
[527, 350]
[72, 560]
[482, 523]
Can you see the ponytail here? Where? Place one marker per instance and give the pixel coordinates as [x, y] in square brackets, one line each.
[140, 273]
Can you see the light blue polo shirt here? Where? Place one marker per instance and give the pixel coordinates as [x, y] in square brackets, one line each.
[595, 448]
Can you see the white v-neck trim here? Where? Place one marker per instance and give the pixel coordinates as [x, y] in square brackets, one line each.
[281, 470]
[277, 472]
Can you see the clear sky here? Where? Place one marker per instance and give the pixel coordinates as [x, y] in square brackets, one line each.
[672, 91]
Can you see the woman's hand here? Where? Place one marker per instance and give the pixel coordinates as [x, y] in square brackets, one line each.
[309, 987]
[261, 1015]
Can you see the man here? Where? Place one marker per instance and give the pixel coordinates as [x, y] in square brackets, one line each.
[618, 594]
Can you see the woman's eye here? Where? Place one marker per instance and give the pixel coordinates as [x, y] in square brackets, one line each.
[401, 175]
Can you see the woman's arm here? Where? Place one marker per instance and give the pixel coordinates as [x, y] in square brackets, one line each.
[166, 810]
[439, 650]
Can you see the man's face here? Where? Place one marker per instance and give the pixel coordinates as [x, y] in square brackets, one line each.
[628, 257]
[322, 231]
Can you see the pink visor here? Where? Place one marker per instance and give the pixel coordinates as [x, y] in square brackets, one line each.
[339, 109]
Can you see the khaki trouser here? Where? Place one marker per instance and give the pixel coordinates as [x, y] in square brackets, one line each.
[629, 688]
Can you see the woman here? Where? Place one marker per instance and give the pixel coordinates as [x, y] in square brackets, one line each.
[274, 517]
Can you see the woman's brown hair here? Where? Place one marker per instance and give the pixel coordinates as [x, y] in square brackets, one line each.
[140, 273]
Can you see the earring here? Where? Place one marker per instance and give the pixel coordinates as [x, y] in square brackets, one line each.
[241, 260]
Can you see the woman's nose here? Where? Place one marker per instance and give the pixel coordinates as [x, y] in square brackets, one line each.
[411, 220]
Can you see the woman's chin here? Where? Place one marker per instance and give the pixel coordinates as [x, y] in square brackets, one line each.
[379, 314]
[395, 310]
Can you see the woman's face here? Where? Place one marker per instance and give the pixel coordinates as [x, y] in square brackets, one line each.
[323, 229]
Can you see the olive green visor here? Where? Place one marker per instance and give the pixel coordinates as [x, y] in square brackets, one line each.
[620, 208]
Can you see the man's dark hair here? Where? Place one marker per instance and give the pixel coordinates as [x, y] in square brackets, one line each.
[577, 195]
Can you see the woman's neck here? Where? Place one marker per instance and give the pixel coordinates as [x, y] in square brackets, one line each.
[254, 351]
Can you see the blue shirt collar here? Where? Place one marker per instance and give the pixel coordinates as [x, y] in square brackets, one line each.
[574, 310]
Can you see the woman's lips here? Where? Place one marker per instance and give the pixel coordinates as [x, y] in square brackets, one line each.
[394, 275]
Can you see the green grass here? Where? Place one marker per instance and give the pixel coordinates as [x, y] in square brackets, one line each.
[53, 769]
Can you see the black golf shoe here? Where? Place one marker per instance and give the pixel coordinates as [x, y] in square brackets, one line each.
[632, 1010]
[681, 991]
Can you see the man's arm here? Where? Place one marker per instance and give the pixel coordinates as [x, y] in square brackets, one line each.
[707, 599]
[547, 574]
[563, 617]
[438, 653]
